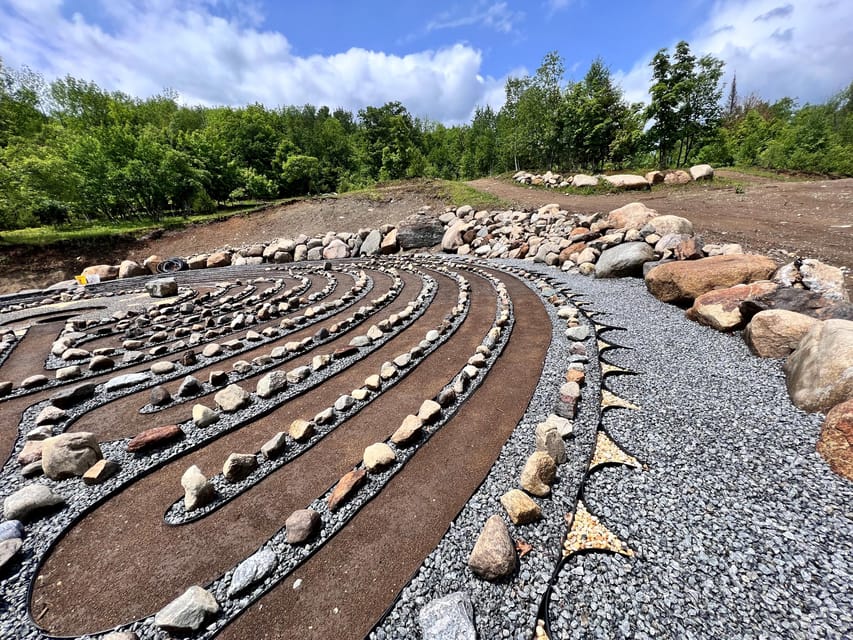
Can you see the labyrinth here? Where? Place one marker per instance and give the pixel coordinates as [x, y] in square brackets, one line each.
[324, 450]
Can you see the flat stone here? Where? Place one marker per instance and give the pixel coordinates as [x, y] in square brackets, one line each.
[188, 612]
[298, 374]
[126, 380]
[239, 466]
[67, 373]
[51, 415]
[301, 429]
[539, 473]
[198, 490]
[378, 456]
[120, 635]
[520, 507]
[211, 350]
[578, 333]
[408, 431]
[275, 446]
[33, 381]
[100, 472]
[684, 281]
[252, 570]
[25, 504]
[448, 618]
[154, 437]
[101, 363]
[346, 486]
[493, 556]
[69, 454]
[68, 398]
[720, 309]
[10, 529]
[162, 368]
[232, 398]
[301, 525]
[8, 550]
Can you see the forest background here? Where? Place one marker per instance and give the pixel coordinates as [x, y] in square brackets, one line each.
[72, 153]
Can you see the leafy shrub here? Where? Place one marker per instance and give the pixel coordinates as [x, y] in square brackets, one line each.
[51, 213]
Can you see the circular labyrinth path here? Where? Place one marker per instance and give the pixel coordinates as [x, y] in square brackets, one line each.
[314, 451]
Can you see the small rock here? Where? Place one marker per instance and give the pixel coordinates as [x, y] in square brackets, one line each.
[275, 446]
[271, 384]
[348, 484]
[252, 570]
[101, 363]
[159, 396]
[8, 550]
[239, 466]
[10, 529]
[429, 411]
[189, 387]
[448, 618]
[68, 398]
[198, 491]
[124, 381]
[548, 439]
[187, 612]
[520, 507]
[539, 473]
[50, 415]
[301, 429]
[204, 416]
[408, 431]
[100, 472]
[154, 437]
[493, 556]
[232, 398]
[162, 368]
[378, 456]
[301, 525]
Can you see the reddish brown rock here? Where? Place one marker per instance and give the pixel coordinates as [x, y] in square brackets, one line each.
[345, 487]
[836, 439]
[720, 309]
[685, 281]
[301, 525]
[154, 437]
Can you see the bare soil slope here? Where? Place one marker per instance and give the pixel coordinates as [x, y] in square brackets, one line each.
[810, 219]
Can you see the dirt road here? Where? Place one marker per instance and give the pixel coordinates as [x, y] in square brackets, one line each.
[809, 219]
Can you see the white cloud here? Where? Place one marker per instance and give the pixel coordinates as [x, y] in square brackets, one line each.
[557, 5]
[497, 16]
[799, 48]
[214, 52]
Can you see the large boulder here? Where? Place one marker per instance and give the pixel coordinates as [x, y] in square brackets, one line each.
[162, 288]
[663, 225]
[582, 180]
[820, 372]
[836, 439]
[720, 309]
[418, 232]
[452, 238]
[684, 281]
[627, 182]
[775, 333]
[624, 260]
[702, 172]
[69, 454]
[679, 176]
[389, 243]
[808, 303]
[131, 269]
[370, 246]
[337, 248]
[635, 215]
[102, 271]
[815, 276]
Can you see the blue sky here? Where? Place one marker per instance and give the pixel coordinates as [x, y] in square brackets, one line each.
[440, 58]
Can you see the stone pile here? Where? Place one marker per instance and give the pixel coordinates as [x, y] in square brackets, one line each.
[619, 181]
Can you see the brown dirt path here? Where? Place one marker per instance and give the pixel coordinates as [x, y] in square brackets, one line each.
[342, 595]
[84, 585]
[805, 218]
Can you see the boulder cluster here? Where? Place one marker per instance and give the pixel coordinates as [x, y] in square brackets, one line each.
[619, 181]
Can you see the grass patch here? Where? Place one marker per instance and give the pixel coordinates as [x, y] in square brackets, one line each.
[104, 230]
[458, 194]
[771, 174]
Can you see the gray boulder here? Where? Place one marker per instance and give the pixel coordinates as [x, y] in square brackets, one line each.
[418, 232]
[162, 288]
[624, 260]
[30, 500]
[69, 454]
[188, 611]
[819, 373]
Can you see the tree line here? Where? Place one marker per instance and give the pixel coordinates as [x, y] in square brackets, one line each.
[70, 150]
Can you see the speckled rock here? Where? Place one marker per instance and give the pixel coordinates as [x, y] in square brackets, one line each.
[493, 556]
[520, 507]
[448, 618]
[539, 473]
[301, 525]
[69, 454]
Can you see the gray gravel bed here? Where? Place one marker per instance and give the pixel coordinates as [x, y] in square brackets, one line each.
[740, 528]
